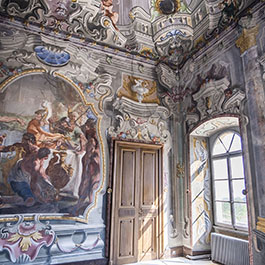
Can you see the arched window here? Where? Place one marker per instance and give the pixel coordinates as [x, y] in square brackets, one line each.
[228, 181]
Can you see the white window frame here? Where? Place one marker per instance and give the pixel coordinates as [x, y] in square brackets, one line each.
[227, 156]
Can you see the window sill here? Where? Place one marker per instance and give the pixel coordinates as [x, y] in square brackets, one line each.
[231, 232]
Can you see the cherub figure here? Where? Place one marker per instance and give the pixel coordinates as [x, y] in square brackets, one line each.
[107, 6]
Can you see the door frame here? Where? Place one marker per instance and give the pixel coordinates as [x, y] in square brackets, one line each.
[114, 146]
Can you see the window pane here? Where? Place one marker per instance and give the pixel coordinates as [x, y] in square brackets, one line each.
[241, 218]
[220, 169]
[218, 148]
[223, 213]
[237, 168]
[236, 145]
[238, 185]
[226, 138]
[221, 189]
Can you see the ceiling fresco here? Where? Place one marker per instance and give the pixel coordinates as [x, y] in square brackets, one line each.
[171, 31]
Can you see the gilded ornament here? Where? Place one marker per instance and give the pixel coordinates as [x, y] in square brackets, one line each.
[25, 242]
[167, 7]
[106, 23]
[261, 224]
[131, 16]
[247, 39]
[127, 89]
[180, 170]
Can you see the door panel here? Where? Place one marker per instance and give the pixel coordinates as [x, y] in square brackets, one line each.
[149, 192]
[147, 239]
[135, 203]
[126, 246]
[125, 214]
[148, 210]
[127, 177]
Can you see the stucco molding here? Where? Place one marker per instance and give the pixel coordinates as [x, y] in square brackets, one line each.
[23, 58]
[85, 21]
[215, 98]
[175, 84]
[24, 239]
[137, 121]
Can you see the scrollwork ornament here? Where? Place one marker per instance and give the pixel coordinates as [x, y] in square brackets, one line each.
[143, 122]
[29, 10]
[24, 239]
[174, 231]
[23, 57]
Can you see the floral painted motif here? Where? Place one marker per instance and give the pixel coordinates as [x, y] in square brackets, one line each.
[23, 240]
[7, 71]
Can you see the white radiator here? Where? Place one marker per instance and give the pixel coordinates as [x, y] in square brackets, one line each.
[229, 250]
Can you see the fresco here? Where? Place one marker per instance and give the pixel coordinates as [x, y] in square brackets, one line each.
[107, 7]
[140, 90]
[200, 192]
[49, 148]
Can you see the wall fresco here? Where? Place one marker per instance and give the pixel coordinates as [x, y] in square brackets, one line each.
[49, 148]
[200, 192]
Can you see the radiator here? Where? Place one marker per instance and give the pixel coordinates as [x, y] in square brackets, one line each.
[229, 250]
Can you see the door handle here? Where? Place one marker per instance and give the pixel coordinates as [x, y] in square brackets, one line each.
[140, 212]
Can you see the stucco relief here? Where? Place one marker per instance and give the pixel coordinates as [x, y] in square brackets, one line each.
[68, 17]
[32, 54]
[138, 89]
[24, 239]
[146, 122]
[215, 97]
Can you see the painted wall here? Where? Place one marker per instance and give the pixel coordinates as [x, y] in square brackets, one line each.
[57, 119]
[201, 198]
[66, 76]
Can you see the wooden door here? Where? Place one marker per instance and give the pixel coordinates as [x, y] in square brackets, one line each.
[136, 203]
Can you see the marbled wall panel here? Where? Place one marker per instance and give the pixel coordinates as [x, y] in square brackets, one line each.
[200, 193]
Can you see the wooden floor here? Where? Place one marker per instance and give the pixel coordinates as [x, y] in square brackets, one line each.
[175, 261]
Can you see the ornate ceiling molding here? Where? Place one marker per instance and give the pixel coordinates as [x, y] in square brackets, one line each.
[175, 49]
[66, 18]
[167, 7]
[80, 69]
[176, 84]
[215, 98]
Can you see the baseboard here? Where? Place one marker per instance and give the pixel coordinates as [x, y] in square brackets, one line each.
[201, 252]
[89, 262]
[184, 251]
[176, 252]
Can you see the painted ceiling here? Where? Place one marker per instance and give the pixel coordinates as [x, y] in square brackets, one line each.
[171, 31]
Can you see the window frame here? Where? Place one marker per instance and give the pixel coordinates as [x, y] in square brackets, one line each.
[227, 156]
